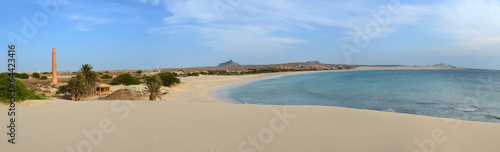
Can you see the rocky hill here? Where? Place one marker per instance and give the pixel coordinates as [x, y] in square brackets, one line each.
[229, 63]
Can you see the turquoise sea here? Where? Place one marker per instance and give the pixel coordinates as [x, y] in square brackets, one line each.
[455, 93]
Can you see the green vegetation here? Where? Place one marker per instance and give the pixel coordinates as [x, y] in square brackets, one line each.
[91, 76]
[78, 87]
[62, 88]
[138, 72]
[22, 93]
[82, 85]
[153, 86]
[169, 78]
[125, 79]
[193, 74]
[43, 78]
[22, 76]
[35, 75]
[106, 77]
[45, 73]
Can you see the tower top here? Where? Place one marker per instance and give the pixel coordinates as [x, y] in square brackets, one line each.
[53, 49]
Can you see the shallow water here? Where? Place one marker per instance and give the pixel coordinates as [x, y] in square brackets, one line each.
[457, 93]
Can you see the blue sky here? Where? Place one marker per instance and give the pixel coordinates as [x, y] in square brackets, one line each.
[144, 34]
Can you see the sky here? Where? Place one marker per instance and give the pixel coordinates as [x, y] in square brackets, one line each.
[146, 34]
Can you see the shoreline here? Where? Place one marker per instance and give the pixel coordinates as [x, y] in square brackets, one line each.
[218, 92]
[198, 123]
[201, 88]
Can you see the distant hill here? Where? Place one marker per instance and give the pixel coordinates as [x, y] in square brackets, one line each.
[316, 61]
[229, 63]
[442, 65]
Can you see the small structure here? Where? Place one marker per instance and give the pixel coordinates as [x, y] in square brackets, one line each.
[102, 89]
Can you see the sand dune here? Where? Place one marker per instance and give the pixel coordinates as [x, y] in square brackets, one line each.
[192, 120]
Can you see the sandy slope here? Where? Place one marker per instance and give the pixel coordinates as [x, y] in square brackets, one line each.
[180, 126]
[188, 125]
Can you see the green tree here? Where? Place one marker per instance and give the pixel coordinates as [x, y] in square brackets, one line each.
[78, 87]
[106, 77]
[35, 75]
[43, 78]
[138, 71]
[125, 79]
[90, 76]
[153, 86]
[83, 84]
[22, 92]
[169, 79]
[22, 76]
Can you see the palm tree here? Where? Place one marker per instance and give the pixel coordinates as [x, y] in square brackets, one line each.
[84, 84]
[86, 70]
[153, 86]
[78, 87]
[91, 77]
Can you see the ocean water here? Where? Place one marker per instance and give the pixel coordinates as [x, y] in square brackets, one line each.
[455, 93]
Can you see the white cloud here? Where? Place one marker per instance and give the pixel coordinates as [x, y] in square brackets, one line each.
[471, 25]
[86, 14]
[236, 38]
[251, 25]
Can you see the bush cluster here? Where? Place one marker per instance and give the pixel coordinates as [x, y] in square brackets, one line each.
[106, 77]
[43, 78]
[22, 76]
[22, 93]
[35, 75]
[125, 79]
[169, 78]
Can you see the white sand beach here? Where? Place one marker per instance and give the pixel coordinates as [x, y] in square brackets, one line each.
[192, 120]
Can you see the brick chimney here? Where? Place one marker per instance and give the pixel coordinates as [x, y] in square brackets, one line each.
[54, 67]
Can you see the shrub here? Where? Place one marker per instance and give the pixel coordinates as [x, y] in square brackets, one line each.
[106, 77]
[45, 73]
[169, 79]
[43, 78]
[58, 92]
[22, 76]
[125, 79]
[22, 93]
[62, 88]
[138, 72]
[114, 83]
[193, 74]
[35, 75]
